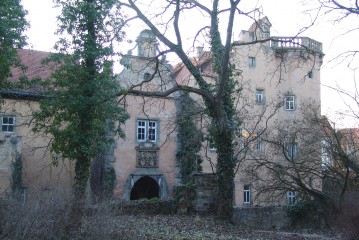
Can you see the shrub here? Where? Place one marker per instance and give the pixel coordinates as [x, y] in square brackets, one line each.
[40, 219]
[306, 213]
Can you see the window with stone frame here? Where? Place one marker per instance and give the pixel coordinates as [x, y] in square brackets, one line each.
[251, 140]
[259, 144]
[247, 194]
[211, 145]
[7, 123]
[289, 103]
[146, 130]
[292, 150]
[251, 62]
[291, 197]
[259, 96]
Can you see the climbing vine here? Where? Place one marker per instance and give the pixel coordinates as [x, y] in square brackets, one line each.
[189, 137]
[16, 175]
[81, 111]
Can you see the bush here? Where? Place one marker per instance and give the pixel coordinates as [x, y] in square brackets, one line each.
[40, 219]
[306, 213]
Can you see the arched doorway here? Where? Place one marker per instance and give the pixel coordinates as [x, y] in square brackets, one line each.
[145, 187]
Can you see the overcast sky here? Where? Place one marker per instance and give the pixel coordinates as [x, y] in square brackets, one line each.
[287, 19]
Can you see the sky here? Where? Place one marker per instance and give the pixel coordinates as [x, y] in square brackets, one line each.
[288, 17]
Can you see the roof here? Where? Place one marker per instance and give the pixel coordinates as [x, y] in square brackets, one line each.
[206, 57]
[259, 22]
[32, 60]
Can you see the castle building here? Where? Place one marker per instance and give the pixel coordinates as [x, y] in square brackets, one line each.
[277, 77]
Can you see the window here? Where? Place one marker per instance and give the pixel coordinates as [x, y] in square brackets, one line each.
[260, 97]
[251, 140]
[292, 151]
[7, 124]
[147, 76]
[146, 130]
[266, 33]
[259, 144]
[247, 194]
[325, 154]
[252, 36]
[310, 74]
[289, 103]
[251, 61]
[291, 197]
[211, 145]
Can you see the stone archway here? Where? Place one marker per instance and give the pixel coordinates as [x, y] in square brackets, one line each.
[145, 187]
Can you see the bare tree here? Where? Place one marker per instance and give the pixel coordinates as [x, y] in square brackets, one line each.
[217, 95]
[309, 158]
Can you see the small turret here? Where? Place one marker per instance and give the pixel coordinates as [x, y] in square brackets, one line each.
[147, 44]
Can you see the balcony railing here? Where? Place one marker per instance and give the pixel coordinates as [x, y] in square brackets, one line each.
[295, 43]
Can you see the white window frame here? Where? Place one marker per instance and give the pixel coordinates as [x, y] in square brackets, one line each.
[289, 103]
[291, 197]
[8, 125]
[259, 97]
[146, 130]
[292, 150]
[251, 62]
[247, 194]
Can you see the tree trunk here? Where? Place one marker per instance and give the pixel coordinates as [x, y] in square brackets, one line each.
[96, 178]
[81, 177]
[225, 170]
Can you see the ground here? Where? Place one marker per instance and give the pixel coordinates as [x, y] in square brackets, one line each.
[180, 227]
[53, 219]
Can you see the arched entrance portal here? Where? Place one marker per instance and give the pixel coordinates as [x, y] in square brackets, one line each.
[145, 187]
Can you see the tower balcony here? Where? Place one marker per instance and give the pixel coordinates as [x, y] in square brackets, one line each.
[296, 43]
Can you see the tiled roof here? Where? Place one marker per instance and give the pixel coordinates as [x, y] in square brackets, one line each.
[32, 60]
[206, 56]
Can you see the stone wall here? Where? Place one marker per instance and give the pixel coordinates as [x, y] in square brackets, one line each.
[205, 190]
[268, 218]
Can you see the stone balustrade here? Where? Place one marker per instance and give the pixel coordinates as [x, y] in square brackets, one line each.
[296, 43]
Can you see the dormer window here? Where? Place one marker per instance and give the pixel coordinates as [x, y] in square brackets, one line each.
[266, 32]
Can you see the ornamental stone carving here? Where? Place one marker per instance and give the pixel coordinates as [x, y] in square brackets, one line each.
[147, 155]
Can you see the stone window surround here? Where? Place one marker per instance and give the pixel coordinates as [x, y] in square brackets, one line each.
[146, 129]
[292, 150]
[251, 62]
[289, 102]
[291, 197]
[259, 96]
[247, 194]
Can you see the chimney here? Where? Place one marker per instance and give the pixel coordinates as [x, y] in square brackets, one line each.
[199, 52]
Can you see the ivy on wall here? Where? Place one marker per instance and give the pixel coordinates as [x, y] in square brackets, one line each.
[16, 175]
[189, 138]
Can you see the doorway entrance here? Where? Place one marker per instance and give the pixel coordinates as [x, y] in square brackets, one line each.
[145, 187]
